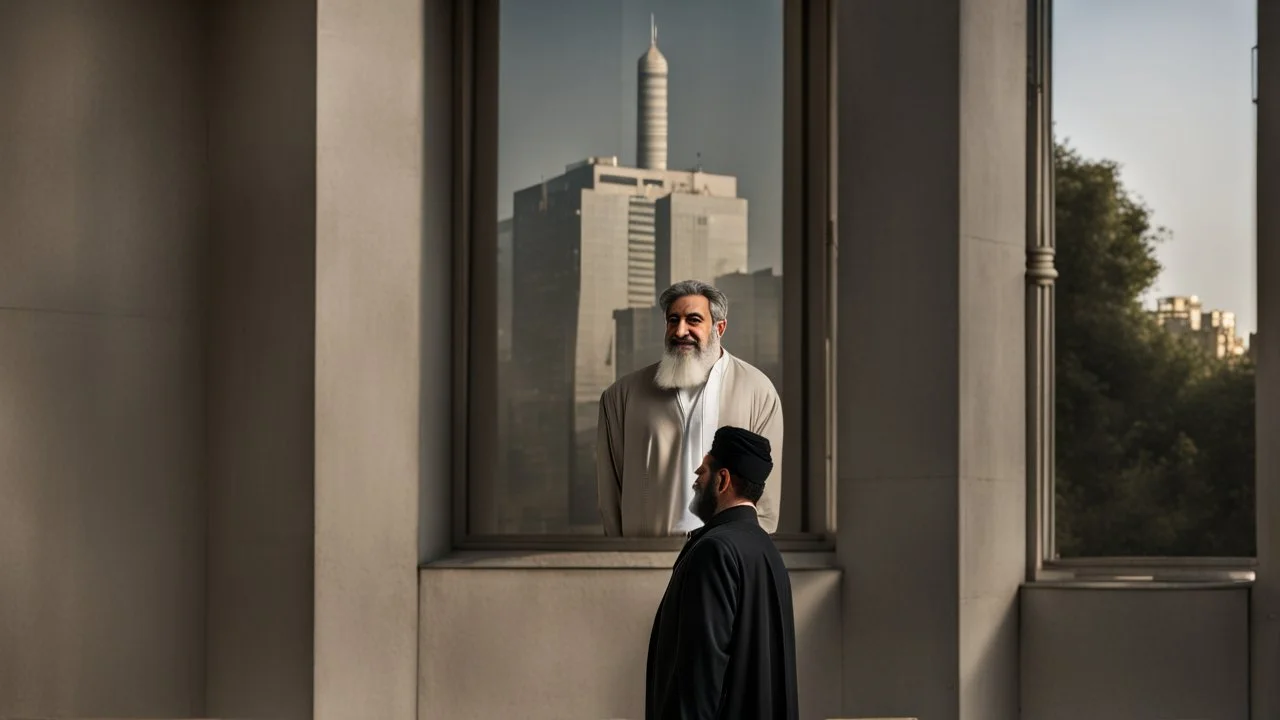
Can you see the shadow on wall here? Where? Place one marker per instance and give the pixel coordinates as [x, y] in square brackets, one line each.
[102, 192]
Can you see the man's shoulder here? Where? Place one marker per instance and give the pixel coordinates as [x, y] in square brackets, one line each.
[736, 536]
[742, 538]
[717, 547]
[752, 375]
[733, 549]
[623, 386]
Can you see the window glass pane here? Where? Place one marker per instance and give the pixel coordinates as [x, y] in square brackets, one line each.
[1156, 299]
[615, 180]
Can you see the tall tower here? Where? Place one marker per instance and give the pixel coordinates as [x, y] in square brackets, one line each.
[651, 116]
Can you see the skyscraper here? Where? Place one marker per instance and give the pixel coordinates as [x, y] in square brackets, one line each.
[504, 289]
[598, 238]
[755, 320]
[651, 106]
[639, 338]
[1214, 330]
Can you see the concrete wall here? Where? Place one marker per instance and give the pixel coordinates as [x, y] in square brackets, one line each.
[113, 197]
[103, 199]
[1113, 654]
[260, 355]
[383, 219]
[556, 642]
[931, 490]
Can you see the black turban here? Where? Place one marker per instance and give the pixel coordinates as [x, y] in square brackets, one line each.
[743, 453]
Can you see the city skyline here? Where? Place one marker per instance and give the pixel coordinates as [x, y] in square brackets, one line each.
[597, 239]
[1160, 86]
[587, 251]
[1163, 87]
[567, 79]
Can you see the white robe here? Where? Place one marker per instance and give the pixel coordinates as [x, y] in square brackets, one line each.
[700, 413]
[639, 443]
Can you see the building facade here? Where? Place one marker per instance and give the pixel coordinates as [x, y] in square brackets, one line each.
[754, 332]
[1212, 330]
[641, 335]
[598, 239]
[231, 415]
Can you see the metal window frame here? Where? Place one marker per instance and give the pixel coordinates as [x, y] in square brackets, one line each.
[1043, 563]
[809, 247]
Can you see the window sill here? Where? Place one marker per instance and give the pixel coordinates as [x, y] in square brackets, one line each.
[597, 560]
[595, 543]
[1147, 573]
[1134, 584]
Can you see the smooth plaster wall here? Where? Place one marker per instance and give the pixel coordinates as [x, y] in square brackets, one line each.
[1113, 654]
[260, 355]
[103, 197]
[992, 360]
[897, 419]
[554, 643]
[931, 491]
[378, 448]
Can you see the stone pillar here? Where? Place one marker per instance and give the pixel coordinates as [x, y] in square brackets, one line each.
[382, 323]
[931, 366]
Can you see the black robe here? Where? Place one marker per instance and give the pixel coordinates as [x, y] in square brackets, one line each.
[723, 642]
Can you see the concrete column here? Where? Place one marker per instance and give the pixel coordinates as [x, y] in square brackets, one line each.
[1266, 591]
[931, 203]
[260, 358]
[370, 335]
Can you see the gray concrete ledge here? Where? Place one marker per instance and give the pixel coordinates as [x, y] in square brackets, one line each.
[532, 560]
[1140, 584]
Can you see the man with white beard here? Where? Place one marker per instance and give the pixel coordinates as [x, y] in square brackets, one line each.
[657, 423]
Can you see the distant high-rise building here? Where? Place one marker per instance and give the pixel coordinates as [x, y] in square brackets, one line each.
[700, 235]
[651, 106]
[505, 288]
[1214, 330]
[598, 238]
[1179, 313]
[754, 332]
[505, 284]
[586, 243]
[640, 334]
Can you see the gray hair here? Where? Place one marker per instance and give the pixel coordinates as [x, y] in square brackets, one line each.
[719, 303]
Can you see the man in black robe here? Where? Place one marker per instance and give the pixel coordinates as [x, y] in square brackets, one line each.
[723, 641]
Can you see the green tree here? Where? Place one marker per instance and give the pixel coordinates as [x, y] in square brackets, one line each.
[1154, 437]
[1219, 413]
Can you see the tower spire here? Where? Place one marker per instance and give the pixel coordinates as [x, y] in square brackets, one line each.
[651, 125]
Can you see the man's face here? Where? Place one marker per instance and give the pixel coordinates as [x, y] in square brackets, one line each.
[706, 488]
[689, 325]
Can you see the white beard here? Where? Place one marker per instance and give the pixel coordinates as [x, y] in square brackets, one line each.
[679, 370]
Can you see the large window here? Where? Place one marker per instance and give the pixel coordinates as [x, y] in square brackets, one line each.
[618, 146]
[1145, 436]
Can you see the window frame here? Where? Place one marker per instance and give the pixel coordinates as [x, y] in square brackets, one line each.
[808, 314]
[1043, 563]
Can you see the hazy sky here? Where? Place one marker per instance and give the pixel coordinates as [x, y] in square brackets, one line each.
[1165, 88]
[567, 90]
[1162, 86]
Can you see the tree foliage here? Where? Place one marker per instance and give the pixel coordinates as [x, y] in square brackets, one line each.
[1155, 437]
